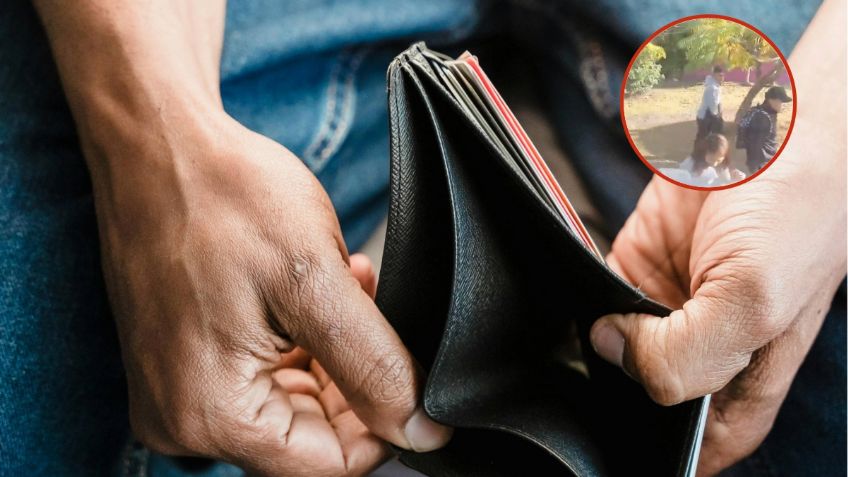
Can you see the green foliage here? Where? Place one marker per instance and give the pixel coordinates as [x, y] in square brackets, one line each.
[711, 41]
[646, 71]
[675, 61]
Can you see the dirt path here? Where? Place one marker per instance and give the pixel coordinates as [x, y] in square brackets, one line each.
[662, 122]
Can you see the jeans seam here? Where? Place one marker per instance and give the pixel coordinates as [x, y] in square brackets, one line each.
[341, 102]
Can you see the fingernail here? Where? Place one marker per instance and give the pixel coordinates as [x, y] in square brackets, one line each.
[424, 434]
[608, 341]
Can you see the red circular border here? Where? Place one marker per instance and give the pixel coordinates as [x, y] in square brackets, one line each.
[791, 83]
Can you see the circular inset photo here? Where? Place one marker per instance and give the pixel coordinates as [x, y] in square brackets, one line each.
[708, 102]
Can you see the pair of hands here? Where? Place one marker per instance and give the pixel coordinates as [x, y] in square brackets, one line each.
[237, 284]
[249, 335]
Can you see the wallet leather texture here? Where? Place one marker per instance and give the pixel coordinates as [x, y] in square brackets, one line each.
[485, 283]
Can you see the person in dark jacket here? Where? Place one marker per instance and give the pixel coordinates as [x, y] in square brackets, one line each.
[761, 136]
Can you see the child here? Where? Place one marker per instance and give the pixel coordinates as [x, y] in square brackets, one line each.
[709, 163]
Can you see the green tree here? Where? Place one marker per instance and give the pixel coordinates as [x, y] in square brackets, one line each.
[718, 41]
[675, 62]
[646, 71]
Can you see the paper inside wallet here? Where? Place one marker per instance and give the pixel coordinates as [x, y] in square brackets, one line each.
[472, 89]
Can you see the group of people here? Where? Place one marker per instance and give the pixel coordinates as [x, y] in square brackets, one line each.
[709, 164]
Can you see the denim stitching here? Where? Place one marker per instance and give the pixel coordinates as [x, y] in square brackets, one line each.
[134, 459]
[594, 74]
[323, 131]
[341, 102]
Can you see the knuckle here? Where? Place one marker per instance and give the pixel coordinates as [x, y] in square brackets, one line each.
[663, 386]
[304, 269]
[304, 290]
[656, 369]
[310, 277]
[390, 379]
[750, 304]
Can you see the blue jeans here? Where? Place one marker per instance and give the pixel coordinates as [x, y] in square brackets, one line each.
[311, 75]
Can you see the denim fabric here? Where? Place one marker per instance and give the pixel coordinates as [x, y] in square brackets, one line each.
[311, 75]
[62, 396]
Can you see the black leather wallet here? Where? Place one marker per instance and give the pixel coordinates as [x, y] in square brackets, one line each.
[494, 295]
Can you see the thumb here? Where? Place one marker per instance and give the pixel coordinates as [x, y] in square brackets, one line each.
[363, 271]
[694, 351]
[336, 321]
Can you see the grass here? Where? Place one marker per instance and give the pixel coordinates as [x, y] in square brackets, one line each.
[662, 121]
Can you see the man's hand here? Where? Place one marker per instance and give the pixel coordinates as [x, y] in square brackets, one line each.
[215, 279]
[226, 269]
[750, 271]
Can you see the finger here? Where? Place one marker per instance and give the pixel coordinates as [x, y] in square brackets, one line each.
[653, 248]
[694, 351]
[297, 381]
[305, 404]
[742, 414]
[290, 436]
[363, 271]
[297, 358]
[317, 384]
[336, 321]
[332, 401]
[363, 451]
[319, 373]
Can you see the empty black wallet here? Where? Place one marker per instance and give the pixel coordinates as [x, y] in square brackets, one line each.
[494, 295]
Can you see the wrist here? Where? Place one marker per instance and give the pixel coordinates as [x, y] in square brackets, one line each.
[131, 104]
[127, 130]
[143, 172]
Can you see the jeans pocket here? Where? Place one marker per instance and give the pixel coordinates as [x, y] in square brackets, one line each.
[339, 110]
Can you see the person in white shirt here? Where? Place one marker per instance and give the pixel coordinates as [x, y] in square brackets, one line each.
[709, 112]
[708, 165]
